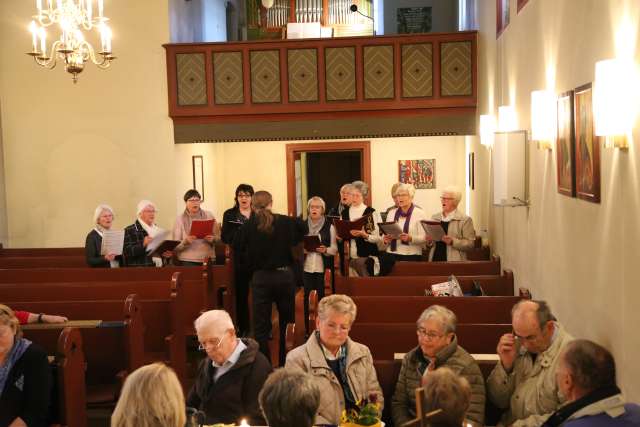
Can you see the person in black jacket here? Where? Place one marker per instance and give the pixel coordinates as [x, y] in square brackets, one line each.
[232, 220]
[230, 377]
[267, 240]
[25, 380]
[103, 219]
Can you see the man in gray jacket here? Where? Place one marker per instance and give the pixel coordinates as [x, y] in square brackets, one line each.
[524, 382]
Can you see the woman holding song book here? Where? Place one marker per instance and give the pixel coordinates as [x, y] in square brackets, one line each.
[193, 249]
[103, 219]
[459, 234]
[403, 234]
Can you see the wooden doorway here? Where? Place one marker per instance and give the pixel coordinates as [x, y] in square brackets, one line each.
[299, 152]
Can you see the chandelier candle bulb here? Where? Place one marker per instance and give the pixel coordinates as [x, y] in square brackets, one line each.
[89, 10]
[39, 6]
[43, 41]
[34, 35]
[100, 8]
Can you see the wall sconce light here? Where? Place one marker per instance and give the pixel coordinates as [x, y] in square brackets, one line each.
[487, 130]
[614, 103]
[543, 118]
[507, 118]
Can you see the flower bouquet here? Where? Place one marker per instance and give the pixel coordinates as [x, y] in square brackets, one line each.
[366, 413]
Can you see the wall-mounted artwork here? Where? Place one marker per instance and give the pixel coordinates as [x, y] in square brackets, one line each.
[587, 147]
[502, 16]
[413, 20]
[521, 4]
[420, 173]
[565, 154]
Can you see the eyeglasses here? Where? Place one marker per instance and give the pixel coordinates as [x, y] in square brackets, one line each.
[447, 198]
[528, 338]
[149, 211]
[211, 344]
[430, 336]
[244, 195]
[194, 200]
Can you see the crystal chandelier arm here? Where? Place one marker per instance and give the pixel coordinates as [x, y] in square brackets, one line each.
[101, 60]
[49, 61]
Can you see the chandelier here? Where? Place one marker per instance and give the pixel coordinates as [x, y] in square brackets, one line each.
[72, 17]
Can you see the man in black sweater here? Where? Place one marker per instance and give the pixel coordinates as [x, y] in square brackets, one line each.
[231, 376]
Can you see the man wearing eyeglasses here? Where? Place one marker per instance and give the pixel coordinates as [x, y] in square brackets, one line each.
[231, 376]
[524, 382]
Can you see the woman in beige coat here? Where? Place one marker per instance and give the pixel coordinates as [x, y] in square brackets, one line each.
[459, 233]
[342, 369]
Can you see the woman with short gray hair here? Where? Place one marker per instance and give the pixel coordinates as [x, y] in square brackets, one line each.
[341, 368]
[364, 246]
[407, 246]
[437, 347]
[289, 398]
[459, 233]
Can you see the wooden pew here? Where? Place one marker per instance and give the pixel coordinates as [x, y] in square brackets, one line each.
[112, 349]
[460, 268]
[493, 285]
[38, 252]
[385, 339]
[393, 309]
[42, 261]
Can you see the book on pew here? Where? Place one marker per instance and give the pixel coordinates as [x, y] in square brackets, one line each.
[392, 229]
[311, 243]
[202, 228]
[112, 242]
[434, 229]
[165, 245]
[344, 226]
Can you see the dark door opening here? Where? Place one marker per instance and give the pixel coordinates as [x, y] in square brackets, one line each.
[328, 171]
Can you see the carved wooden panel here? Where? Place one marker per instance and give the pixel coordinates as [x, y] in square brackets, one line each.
[265, 76]
[417, 70]
[228, 78]
[340, 70]
[192, 83]
[378, 72]
[456, 72]
[302, 67]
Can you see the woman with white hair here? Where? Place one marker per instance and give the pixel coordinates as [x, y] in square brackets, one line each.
[103, 219]
[342, 369]
[229, 379]
[437, 347]
[138, 235]
[408, 245]
[363, 249]
[151, 396]
[315, 262]
[458, 227]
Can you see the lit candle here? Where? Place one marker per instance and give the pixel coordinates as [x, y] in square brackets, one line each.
[49, 2]
[89, 9]
[100, 8]
[107, 31]
[34, 35]
[43, 41]
[244, 423]
[39, 6]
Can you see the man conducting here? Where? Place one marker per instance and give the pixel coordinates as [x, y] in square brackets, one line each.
[523, 382]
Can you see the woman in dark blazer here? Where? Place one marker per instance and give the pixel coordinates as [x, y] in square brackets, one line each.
[25, 379]
[103, 219]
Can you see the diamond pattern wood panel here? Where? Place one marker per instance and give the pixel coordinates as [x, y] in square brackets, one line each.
[417, 70]
[265, 76]
[456, 73]
[227, 78]
[340, 71]
[190, 74]
[303, 75]
[378, 72]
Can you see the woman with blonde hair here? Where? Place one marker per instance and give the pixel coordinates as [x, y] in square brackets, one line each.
[102, 219]
[266, 240]
[151, 397]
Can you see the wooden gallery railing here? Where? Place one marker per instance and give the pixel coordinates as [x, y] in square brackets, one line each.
[322, 78]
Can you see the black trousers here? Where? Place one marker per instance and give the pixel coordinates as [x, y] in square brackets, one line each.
[242, 299]
[312, 282]
[400, 257]
[268, 287]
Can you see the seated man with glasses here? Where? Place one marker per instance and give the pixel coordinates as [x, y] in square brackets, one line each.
[231, 376]
[437, 347]
[524, 382]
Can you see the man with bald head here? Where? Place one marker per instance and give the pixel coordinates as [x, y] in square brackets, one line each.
[586, 376]
[524, 382]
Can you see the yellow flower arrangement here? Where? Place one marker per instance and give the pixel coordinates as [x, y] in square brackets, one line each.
[366, 413]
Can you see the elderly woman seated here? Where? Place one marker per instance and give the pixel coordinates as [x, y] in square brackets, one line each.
[448, 392]
[289, 398]
[437, 347]
[25, 379]
[408, 245]
[151, 396]
[458, 228]
[342, 369]
[231, 376]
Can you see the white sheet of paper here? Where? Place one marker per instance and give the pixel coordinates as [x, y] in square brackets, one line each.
[160, 237]
[435, 231]
[393, 230]
[112, 242]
